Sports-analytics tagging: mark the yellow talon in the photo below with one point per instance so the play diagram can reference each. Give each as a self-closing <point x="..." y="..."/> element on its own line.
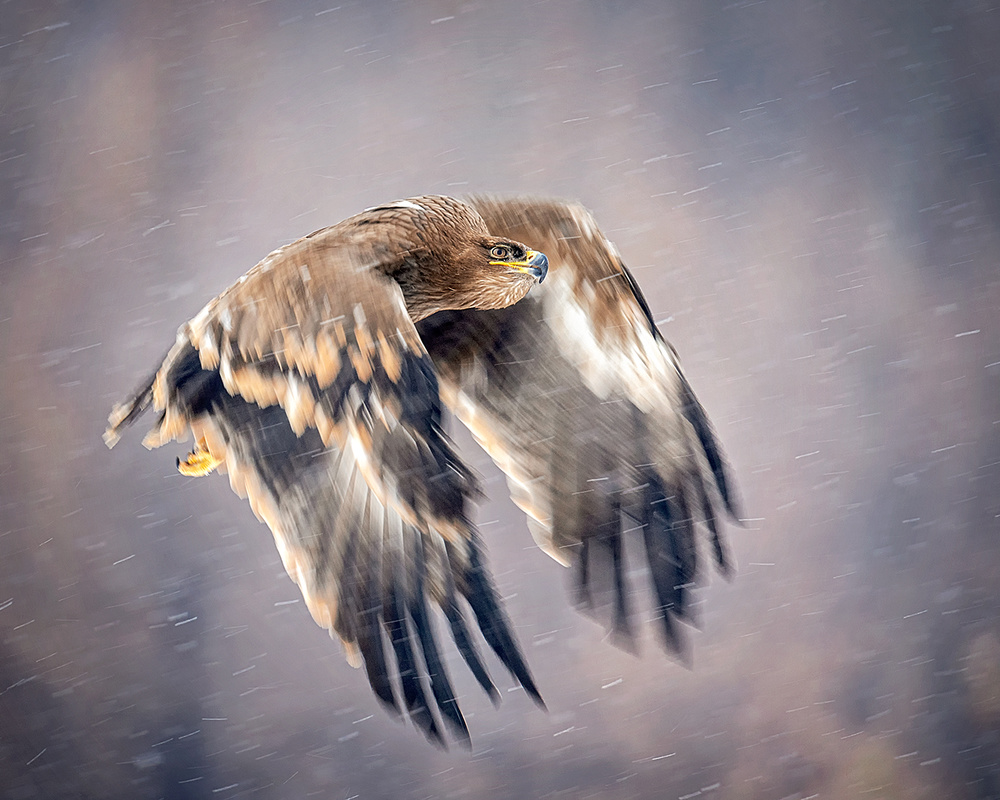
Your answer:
<point x="199" y="463"/>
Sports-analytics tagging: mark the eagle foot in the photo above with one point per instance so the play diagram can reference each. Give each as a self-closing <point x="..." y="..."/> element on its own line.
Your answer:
<point x="199" y="463"/>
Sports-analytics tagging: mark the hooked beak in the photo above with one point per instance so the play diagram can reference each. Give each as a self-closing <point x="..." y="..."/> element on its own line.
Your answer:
<point x="536" y="264"/>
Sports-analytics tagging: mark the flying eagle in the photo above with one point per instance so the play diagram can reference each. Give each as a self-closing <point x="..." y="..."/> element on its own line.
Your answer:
<point x="318" y="381"/>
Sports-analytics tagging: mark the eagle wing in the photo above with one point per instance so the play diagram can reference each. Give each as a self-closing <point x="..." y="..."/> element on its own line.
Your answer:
<point x="577" y="397"/>
<point x="308" y="383"/>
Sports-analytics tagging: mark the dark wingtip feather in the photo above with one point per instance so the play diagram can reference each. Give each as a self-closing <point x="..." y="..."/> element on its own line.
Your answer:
<point x="373" y="653"/>
<point x="666" y="535"/>
<point x="493" y="623"/>
<point x="695" y="414"/>
<point x="625" y="640"/>
<point x="441" y="688"/>
<point x="723" y="560"/>
<point x="467" y="648"/>
<point x="433" y="734"/>
<point x="582" y="598"/>
<point x="359" y="619"/>
<point x="672" y="640"/>
<point x="622" y="623"/>
<point x="601" y="560"/>
<point x="460" y="633"/>
<point x="413" y="692"/>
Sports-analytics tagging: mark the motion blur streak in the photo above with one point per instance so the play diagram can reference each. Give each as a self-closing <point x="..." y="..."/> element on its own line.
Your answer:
<point x="808" y="193"/>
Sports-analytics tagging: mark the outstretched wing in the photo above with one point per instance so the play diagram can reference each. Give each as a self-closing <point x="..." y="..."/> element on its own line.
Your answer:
<point x="308" y="383"/>
<point x="580" y="401"/>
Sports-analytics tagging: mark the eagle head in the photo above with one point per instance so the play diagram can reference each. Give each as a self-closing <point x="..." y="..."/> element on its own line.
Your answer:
<point x="497" y="272"/>
<point x="452" y="261"/>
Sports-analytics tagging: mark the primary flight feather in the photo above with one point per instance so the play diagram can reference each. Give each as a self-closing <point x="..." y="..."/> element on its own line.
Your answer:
<point x="317" y="381"/>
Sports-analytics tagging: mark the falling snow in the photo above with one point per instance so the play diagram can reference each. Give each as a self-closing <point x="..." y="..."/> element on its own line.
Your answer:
<point x="807" y="194"/>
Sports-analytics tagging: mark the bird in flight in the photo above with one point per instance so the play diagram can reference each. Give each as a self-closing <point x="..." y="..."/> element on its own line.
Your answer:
<point x="319" y="380"/>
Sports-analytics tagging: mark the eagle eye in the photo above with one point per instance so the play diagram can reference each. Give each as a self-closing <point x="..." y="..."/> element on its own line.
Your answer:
<point x="500" y="252"/>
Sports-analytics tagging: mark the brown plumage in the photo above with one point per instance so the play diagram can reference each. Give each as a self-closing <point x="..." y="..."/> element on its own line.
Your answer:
<point x="317" y="382"/>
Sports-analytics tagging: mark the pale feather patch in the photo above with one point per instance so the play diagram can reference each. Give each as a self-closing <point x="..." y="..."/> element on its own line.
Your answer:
<point x="352" y="653"/>
<point x="452" y="531"/>
<point x="410" y="339"/>
<point x="238" y="477"/>
<point x="325" y="425"/>
<point x="328" y="362"/>
<point x="295" y="351"/>
<point x="199" y="332"/>
<point x="359" y="443"/>
<point x="318" y="581"/>
<point x="528" y="492"/>
<point x="173" y="427"/>
<point x="299" y="404"/>
<point x="389" y="356"/>
<point x="257" y="388"/>
<point x="631" y="359"/>
<point x="339" y="333"/>
<point x="584" y="220"/>
<point x="631" y="362"/>
<point x="362" y="364"/>
<point x="399" y="204"/>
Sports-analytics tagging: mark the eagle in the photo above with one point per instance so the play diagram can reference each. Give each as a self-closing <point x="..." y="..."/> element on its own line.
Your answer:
<point x="319" y="381"/>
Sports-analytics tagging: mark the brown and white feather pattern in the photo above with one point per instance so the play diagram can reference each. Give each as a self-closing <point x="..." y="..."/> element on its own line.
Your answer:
<point x="307" y="382"/>
<point x="580" y="401"/>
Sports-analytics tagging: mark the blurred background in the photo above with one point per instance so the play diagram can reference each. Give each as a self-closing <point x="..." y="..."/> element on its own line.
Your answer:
<point x="808" y="194"/>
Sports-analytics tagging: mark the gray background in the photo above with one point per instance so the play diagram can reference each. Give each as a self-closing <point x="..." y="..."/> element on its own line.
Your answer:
<point x="808" y="193"/>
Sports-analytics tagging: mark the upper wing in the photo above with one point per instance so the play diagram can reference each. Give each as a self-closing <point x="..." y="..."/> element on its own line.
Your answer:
<point x="307" y="381"/>
<point x="580" y="401"/>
